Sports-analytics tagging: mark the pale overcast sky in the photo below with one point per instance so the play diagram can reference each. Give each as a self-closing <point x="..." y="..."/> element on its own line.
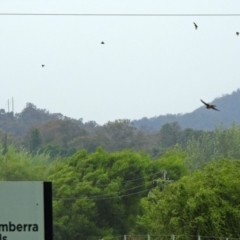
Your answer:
<point x="148" y="66"/>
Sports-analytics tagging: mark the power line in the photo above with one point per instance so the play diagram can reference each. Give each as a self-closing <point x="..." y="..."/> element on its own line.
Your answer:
<point x="126" y="14"/>
<point x="110" y="194"/>
<point x="95" y="198"/>
<point x="136" y="179"/>
<point x="123" y="190"/>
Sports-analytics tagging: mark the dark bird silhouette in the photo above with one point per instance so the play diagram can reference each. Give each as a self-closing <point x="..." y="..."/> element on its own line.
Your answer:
<point x="196" y="26"/>
<point x="237" y="33"/>
<point x="102" y="43"/>
<point x="43" y="65"/>
<point x="209" y="106"/>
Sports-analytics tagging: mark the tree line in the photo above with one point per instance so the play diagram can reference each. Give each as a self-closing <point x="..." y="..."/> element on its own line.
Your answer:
<point x="40" y="131"/>
<point x="191" y="188"/>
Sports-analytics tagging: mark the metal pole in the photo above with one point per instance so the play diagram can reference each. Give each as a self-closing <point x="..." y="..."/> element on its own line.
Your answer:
<point x="173" y="237"/>
<point x="164" y="174"/>
<point x="148" y="237"/>
<point x="199" y="237"/>
<point x="125" y="237"/>
<point x="12" y="106"/>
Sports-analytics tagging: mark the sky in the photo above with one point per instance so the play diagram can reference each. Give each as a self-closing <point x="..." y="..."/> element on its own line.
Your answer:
<point x="148" y="66"/>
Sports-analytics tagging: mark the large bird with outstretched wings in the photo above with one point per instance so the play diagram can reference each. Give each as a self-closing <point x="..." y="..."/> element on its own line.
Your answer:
<point x="209" y="105"/>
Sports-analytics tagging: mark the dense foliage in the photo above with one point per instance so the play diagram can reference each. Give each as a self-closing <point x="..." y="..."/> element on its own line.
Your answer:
<point x="115" y="179"/>
<point x="94" y="194"/>
<point x="205" y="203"/>
<point x="57" y="135"/>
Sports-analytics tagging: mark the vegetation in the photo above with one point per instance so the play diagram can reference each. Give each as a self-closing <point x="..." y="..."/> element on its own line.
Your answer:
<point x="205" y="203"/>
<point x="186" y="191"/>
<point x="39" y="131"/>
<point x="59" y="135"/>
<point x="118" y="179"/>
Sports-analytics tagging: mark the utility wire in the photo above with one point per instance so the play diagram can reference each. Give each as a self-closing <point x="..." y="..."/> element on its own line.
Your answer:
<point x="134" y="187"/>
<point x="97" y="196"/>
<point x="126" y="14"/>
<point x="110" y="194"/>
<point x="124" y="195"/>
<point x="131" y="180"/>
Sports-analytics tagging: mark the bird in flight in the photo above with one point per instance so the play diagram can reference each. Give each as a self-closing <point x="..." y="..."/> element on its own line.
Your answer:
<point x="237" y="33"/>
<point x="209" y="106"/>
<point x="102" y="43"/>
<point x="196" y="26"/>
<point x="43" y="65"/>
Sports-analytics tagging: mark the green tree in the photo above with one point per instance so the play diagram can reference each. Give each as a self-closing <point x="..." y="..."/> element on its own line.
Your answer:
<point x="98" y="194"/>
<point x="117" y="135"/>
<point x="205" y="203"/>
<point x="35" y="140"/>
<point x="221" y="143"/>
<point x="20" y="165"/>
<point x="4" y="144"/>
<point x="169" y="134"/>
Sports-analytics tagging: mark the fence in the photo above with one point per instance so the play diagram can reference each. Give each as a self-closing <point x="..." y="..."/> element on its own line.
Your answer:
<point x="168" y="237"/>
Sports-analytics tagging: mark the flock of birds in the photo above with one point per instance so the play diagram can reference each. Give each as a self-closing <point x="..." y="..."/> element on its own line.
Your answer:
<point x="196" y="27"/>
<point x="208" y="105"/>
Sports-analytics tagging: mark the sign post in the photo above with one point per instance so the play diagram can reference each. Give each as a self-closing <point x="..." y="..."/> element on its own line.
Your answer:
<point x="26" y="211"/>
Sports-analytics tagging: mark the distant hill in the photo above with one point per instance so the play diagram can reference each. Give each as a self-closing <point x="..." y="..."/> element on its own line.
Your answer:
<point x="19" y="123"/>
<point x="201" y="118"/>
<point x="40" y="131"/>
